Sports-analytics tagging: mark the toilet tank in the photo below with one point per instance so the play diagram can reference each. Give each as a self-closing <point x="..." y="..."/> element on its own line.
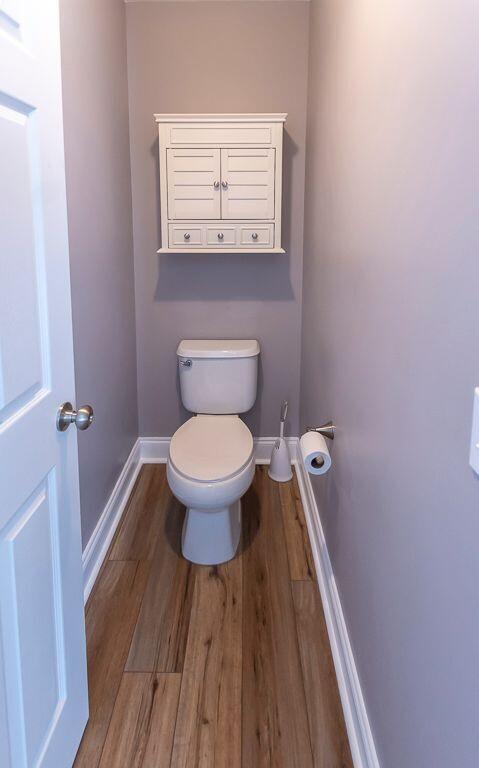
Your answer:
<point x="218" y="375"/>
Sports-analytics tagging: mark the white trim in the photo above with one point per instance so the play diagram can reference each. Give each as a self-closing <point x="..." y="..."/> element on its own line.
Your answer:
<point x="97" y="546"/>
<point x="264" y="445"/>
<point x="127" y="2"/>
<point x="154" y="450"/>
<point x="230" y="117"/>
<point x="357" y="723"/>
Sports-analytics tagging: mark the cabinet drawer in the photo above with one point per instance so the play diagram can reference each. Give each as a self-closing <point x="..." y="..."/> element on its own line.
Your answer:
<point x="195" y="134"/>
<point x="188" y="237"/>
<point x="261" y="235"/>
<point x="221" y="236"/>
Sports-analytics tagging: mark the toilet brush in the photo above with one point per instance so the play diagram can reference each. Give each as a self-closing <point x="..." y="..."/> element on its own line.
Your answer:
<point x="280" y="464"/>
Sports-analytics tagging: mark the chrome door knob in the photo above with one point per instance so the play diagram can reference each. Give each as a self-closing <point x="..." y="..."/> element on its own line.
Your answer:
<point x="187" y="235"/>
<point x="254" y="235"/>
<point x="224" y="184"/>
<point x="220" y="236"/>
<point x="82" y="418"/>
<point x="216" y="185"/>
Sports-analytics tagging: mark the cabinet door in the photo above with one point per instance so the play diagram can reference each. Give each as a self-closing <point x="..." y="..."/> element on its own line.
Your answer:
<point x="247" y="183"/>
<point x="192" y="174"/>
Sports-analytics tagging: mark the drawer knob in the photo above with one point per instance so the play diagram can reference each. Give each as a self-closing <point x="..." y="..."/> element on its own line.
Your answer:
<point x="224" y="184"/>
<point x="220" y="236"/>
<point x="187" y="235"/>
<point x="254" y="235"/>
<point x="216" y="184"/>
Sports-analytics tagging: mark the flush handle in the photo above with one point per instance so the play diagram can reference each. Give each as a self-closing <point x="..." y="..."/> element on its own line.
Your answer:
<point x="186" y="363"/>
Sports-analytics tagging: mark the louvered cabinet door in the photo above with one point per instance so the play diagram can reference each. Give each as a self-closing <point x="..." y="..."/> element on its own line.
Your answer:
<point x="247" y="183"/>
<point x="193" y="183"/>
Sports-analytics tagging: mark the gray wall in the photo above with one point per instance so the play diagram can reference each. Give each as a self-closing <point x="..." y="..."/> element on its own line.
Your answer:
<point x="391" y="352"/>
<point x="95" y="104"/>
<point x="216" y="57"/>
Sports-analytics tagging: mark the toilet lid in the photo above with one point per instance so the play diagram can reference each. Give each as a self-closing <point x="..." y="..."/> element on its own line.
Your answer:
<point x="209" y="448"/>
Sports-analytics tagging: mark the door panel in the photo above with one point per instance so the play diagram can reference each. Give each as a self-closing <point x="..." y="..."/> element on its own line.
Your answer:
<point x="21" y="340"/>
<point x="192" y="174"/>
<point x="34" y="625"/>
<point x="249" y="176"/>
<point x="43" y="689"/>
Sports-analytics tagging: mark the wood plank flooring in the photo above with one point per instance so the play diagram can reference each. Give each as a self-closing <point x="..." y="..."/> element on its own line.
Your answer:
<point x="211" y="667"/>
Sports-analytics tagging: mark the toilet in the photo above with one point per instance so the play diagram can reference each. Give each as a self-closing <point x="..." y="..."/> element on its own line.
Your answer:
<point x="211" y="463"/>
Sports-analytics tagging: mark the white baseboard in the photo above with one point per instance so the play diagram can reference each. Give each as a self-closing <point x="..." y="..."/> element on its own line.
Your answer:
<point x="357" y="723"/>
<point x="154" y="450"/>
<point x="97" y="547"/>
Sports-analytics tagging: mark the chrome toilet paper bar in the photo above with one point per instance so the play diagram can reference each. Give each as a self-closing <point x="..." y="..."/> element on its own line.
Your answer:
<point x="327" y="430"/>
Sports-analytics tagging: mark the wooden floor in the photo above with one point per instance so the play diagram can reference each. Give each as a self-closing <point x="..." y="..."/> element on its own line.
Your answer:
<point x="211" y="667"/>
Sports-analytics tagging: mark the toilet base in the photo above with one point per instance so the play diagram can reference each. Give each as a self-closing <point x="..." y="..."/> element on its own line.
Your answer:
<point x="211" y="536"/>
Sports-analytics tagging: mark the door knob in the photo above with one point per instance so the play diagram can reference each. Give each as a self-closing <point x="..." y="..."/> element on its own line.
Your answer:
<point x="82" y="418"/>
<point x="220" y="236"/>
<point x="216" y="184"/>
<point x="224" y="184"/>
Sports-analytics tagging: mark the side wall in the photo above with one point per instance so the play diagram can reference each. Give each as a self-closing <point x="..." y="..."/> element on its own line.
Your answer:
<point x="391" y="353"/>
<point x="216" y="57"/>
<point x="95" y="104"/>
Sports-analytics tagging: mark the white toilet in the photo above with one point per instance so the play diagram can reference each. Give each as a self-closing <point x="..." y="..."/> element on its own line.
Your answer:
<point x="211" y="463"/>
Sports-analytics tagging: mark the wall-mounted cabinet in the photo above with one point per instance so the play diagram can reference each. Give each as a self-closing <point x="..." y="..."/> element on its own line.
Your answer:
<point x="220" y="182"/>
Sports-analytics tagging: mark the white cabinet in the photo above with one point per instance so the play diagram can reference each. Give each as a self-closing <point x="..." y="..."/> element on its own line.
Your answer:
<point x="220" y="182"/>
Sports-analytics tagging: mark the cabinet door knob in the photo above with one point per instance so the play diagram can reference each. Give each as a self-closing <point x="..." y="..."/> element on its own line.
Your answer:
<point x="254" y="235"/>
<point x="216" y="184"/>
<point x="220" y="236"/>
<point x="187" y="235"/>
<point x="224" y="184"/>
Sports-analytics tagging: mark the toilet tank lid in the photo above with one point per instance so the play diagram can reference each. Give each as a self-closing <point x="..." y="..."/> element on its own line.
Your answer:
<point x="217" y="348"/>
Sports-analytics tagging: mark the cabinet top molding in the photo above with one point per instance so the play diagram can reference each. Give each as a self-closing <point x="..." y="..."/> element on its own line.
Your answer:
<point x="254" y="117"/>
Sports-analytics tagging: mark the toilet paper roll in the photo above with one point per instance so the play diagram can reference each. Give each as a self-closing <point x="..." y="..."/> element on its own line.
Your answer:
<point x="315" y="454"/>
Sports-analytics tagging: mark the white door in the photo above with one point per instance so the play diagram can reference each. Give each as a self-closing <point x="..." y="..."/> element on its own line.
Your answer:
<point x="193" y="183"/>
<point x="247" y="183"/>
<point x="43" y="690"/>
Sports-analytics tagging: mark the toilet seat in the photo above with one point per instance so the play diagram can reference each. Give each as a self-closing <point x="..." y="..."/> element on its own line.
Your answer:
<point x="208" y="449"/>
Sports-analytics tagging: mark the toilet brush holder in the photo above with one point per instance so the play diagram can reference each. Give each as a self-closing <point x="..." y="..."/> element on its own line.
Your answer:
<point x="280" y="464"/>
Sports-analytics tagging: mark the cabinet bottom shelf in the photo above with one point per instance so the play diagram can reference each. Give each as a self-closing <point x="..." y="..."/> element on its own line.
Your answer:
<point x="222" y="249"/>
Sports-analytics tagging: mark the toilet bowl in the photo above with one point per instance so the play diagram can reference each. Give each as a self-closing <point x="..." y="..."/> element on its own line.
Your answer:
<point x="210" y="467"/>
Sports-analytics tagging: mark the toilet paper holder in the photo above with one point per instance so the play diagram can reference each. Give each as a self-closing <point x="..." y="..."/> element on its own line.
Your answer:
<point x="327" y="430"/>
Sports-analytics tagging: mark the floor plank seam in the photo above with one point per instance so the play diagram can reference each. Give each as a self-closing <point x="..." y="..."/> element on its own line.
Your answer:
<point x="303" y="681"/>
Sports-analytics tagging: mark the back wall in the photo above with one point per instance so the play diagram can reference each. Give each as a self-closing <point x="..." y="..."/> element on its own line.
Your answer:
<point x="216" y="57"/>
